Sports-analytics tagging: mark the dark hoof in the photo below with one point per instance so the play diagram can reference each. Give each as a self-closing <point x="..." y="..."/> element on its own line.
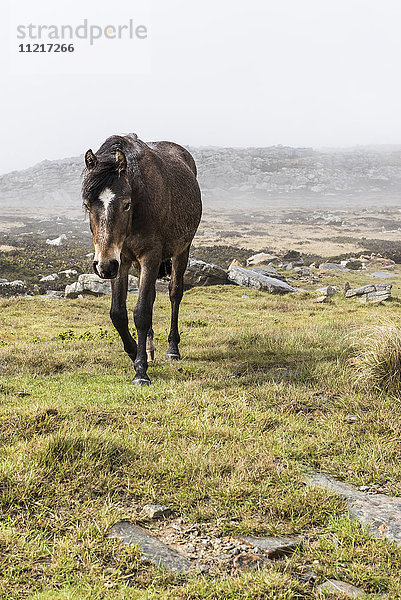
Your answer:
<point x="171" y="356"/>
<point x="140" y="381"/>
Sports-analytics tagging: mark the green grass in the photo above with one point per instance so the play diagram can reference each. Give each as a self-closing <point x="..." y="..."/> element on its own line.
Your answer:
<point x="223" y="437"/>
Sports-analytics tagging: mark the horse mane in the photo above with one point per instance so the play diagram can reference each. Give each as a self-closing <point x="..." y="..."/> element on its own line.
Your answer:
<point x="106" y="171"/>
<point x="102" y="176"/>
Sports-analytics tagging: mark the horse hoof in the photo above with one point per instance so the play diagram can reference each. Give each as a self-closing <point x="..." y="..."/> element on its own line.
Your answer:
<point x="170" y="356"/>
<point x="140" y="381"/>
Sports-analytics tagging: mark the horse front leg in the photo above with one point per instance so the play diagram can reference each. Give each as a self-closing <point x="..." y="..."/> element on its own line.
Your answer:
<point x="176" y="290"/>
<point x="143" y="320"/>
<point x="118" y="311"/>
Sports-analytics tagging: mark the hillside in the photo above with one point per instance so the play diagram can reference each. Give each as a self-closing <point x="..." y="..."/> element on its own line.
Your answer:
<point x="242" y="175"/>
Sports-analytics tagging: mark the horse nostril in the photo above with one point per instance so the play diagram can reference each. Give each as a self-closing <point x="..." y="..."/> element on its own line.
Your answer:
<point x="107" y="270"/>
<point x="113" y="267"/>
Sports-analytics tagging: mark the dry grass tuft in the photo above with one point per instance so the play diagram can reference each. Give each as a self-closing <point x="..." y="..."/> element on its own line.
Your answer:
<point x="377" y="364"/>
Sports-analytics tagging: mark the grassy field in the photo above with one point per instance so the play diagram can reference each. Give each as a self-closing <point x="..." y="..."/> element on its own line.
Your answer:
<point x="224" y="437"/>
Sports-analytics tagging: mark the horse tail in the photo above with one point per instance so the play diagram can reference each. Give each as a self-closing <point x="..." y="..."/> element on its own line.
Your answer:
<point x="165" y="269"/>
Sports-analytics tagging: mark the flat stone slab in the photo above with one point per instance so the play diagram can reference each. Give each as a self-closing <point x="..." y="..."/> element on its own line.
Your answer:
<point x="257" y="281"/>
<point x="383" y="275"/>
<point x="384" y="288"/>
<point x="332" y="267"/>
<point x="152" y="548"/>
<point x="340" y="588"/>
<point x="275" y="547"/>
<point x="381" y="514"/>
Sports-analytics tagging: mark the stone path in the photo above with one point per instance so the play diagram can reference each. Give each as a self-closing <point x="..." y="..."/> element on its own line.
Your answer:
<point x="381" y="514"/>
<point x="183" y="547"/>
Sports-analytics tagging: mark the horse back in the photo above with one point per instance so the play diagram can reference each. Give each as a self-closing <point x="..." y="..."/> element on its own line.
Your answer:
<point x="175" y="151"/>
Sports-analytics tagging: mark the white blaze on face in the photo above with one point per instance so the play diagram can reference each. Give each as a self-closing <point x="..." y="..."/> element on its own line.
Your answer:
<point x="107" y="196"/>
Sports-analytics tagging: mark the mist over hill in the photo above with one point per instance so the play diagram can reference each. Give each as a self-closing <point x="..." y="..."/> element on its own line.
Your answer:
<point x="237" y="176"/>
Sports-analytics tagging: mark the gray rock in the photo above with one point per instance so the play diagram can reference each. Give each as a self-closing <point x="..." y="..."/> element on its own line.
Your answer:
<point x="376" y="297"/>
<point x="260" y="259"/>
<point x="329" y="290"/>
<point x="275" y="547"/>
<point x="332" y="267"/>
<point x="60" y="241"/>
<point x="55" y="294"/>
<point x="269" y="271"/>
<point x="366" y="289"/>
<point x="157" y="511"/>
<point x="381" y="514"/>
<point x="2" y="280"/>
<point x="383" y="275"/>
<point x="303" y="271"/>
<point x="52" y="277"/>
<point x="68" y="272"/>
<point x="15" y="283"/>
<point x="340" y="588"/>
<point x="257" y="281"/>
<point x="152" y="548"/>
<point x="93" y="285"/>
<point x="375" y="292"/>
<point x="199" y="272"/>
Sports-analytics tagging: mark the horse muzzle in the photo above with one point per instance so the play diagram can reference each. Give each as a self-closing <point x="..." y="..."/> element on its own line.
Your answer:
<point x="106" y="269"/>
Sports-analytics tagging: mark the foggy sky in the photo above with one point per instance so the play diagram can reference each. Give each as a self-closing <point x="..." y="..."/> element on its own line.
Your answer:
<point x="228" y="73"/>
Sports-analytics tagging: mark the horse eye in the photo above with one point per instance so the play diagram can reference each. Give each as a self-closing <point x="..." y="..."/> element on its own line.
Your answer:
<point x="127" y="206"/>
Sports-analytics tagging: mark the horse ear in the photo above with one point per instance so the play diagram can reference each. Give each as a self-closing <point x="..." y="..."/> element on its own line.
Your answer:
<point x="90" y="160"/>
<point x="121" y="161"/>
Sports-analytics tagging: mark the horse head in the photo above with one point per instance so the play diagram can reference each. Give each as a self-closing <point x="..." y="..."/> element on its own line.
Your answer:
<point x="107" y="196"/>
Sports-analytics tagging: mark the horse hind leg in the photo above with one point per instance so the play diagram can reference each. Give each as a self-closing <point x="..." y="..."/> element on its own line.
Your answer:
<point x="176" y="290"/>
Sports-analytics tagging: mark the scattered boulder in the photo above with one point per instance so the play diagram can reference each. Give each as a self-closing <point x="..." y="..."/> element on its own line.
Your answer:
<point x="16" y="283"/>
<point x="51" y="277"/>
<point x="257" y="281"/>
<point x="260" y="259"/>
<point x="59" y="294"/>
<point x="375" y="292"/>
<point x="2" y="280"/>
<point x="302" y="271"/>
<point x="199" y="272"/>
<point x="68" y="272"/>
<point x="93" y="285"/>
<point x="383" y="275"/>
<point x="60" y="241"/>
<point x="329" y="290"/>
<point x="332" y="267"/>
<point x="269" y="271"/>
<point x="340" y="588"/>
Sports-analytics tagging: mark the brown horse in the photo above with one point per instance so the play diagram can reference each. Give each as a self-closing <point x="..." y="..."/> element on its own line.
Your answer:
<point x="144" y="208"/>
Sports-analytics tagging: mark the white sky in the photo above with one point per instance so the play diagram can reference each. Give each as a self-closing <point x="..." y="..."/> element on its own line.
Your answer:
<point x="223" y="72"/>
